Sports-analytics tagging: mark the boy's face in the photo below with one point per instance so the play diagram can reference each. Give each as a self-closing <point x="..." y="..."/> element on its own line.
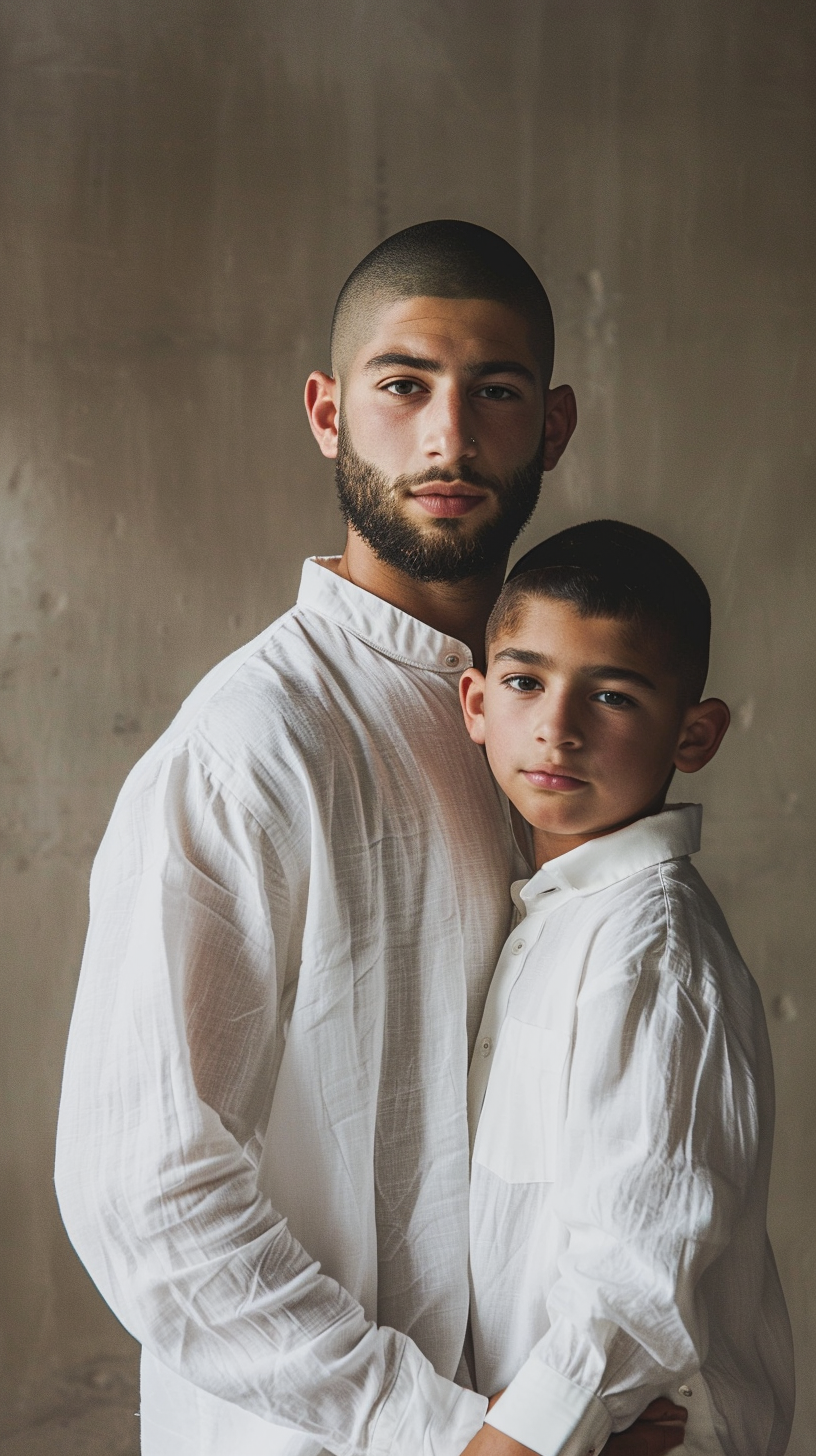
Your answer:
<point x="583" y="723"/>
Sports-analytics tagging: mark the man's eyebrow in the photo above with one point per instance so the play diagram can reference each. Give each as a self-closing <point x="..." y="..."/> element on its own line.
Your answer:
<point x="500" y="366"/>
<point x="481" y="370"/>
<point x="405" y="361"/>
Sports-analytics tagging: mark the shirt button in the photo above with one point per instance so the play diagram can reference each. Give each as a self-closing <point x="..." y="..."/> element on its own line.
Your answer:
<point x="486" y="1046"/>
<point x="685" y="1390"/>
<point x="518" y="946"/>
<point x="453" y="659"/>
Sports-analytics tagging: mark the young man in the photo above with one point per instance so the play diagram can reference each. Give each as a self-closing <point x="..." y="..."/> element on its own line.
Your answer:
<point x="621" y="1090"/>
<point x="263" y="1150"/>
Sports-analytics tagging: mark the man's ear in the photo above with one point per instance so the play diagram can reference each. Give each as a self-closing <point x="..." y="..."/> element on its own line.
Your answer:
<point x="322" y="400"/>
<point x="471" y="696"/>
<point x="560" y="419"/>
<point x="704" y="727"/>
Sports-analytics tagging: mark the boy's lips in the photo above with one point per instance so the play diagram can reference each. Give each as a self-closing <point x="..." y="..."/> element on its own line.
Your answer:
<point x="444" y="498"/>
<point x="542" y="778"/>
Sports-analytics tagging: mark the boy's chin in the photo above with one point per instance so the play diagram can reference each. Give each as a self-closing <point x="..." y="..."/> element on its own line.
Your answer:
<point x="585" y="827"/>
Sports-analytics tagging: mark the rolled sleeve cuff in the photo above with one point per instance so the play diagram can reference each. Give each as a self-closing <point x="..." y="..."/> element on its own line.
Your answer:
<point x="425" y="1414"/>
<point x="550" y="1414"/>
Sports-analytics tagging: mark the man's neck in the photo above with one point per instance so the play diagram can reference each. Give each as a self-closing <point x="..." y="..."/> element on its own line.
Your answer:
<point x="459" y="609"/>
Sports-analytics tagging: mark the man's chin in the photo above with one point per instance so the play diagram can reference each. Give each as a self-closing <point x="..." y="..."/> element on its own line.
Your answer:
<point x="464" y="527"/>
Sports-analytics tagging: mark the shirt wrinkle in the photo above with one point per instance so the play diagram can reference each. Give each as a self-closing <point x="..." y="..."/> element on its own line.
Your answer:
<point x="621" y="1105"/>
<point x="233" y="1167"/>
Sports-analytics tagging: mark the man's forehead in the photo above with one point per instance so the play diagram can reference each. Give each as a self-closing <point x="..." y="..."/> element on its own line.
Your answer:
<point x="452" y="329"/>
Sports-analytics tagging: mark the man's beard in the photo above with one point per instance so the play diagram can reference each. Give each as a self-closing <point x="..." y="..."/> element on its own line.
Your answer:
<point x="372" y="505"/>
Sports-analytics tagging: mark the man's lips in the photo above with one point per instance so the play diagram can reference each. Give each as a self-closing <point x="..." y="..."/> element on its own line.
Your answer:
<point x="541" y="778"/>
<point x="443" y="498"/>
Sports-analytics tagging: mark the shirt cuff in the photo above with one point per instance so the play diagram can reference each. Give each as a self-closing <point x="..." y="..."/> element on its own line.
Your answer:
<point x="550" y="1414"/>
<point x="425" y="1414"/>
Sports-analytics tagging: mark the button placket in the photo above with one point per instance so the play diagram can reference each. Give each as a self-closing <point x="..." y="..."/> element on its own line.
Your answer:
<point x="507" y="973"/>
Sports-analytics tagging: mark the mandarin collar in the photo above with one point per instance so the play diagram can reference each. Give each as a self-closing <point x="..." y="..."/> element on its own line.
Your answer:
<point x="383" y="626"/>
<point x="672" y="834"/>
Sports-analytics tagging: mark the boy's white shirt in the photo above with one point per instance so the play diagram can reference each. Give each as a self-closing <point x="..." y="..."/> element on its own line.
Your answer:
<point x="621" y="1109"/>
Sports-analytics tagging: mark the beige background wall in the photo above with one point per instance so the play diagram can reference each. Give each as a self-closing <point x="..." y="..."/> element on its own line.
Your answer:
<point x="184" y="185"/>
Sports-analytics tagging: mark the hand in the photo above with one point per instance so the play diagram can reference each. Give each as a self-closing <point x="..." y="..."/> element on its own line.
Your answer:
<point x="660" y="1428"/>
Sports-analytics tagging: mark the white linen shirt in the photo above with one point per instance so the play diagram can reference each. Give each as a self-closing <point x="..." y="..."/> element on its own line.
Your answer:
<point x="295" y="913"/>
<point x="621" y="1093"/>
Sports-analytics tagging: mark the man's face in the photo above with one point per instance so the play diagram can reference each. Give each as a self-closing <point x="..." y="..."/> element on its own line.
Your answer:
<point x="440" y="445"/>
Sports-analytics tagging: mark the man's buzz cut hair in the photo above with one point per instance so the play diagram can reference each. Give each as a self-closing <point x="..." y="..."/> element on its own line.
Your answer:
<point x="441" y="259"/>
<point x="614" y="570"/>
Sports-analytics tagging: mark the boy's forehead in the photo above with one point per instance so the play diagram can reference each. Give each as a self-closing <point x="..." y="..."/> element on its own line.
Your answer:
<point x="558" y="634"/>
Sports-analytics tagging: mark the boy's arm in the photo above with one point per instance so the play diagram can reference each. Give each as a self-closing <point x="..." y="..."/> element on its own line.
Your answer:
<point x="658" y="1145"/>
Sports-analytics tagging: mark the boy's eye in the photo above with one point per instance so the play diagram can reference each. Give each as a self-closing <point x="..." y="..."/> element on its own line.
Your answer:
<point x="611" y="699"/>
<point x="403" y="387"/>
<point x="520" y="683"/>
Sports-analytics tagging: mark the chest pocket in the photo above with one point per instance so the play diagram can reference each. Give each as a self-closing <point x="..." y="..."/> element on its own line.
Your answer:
<point x="517" y="1136"/>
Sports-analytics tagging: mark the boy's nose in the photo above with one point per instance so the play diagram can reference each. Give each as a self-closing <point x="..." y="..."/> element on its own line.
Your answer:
<point x="558" y="725"/>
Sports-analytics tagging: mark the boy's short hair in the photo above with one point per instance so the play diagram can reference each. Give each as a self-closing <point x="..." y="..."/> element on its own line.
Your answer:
<point x="611" y="569"/>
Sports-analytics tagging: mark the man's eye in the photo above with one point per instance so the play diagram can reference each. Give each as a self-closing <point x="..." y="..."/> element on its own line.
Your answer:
<point x="496" y="391"/>
<point x="520" y="683"/>
<point x="403" y="387"/>
<point x="614" y="700"/>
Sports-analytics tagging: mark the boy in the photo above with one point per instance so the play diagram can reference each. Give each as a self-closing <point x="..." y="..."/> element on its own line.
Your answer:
<point x="622" y="1081"/>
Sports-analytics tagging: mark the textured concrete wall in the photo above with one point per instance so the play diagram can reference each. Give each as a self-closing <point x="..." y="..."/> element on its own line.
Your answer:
<point x="184" y="185"/>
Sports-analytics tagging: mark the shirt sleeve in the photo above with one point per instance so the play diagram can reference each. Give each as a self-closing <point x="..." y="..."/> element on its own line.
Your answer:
<point x="167" y="1089"/>
<point x="658" y="1144"/>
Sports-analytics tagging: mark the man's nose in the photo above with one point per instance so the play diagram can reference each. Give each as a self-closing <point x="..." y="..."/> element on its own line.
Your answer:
<point x="450" y="430"/>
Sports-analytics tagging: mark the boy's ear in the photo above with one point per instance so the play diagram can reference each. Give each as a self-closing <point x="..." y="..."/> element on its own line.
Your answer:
<point x="704" y="727"/>
<point x="471" y="696"/>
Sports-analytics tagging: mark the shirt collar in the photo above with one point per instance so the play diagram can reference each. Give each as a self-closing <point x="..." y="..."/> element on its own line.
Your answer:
<point x="672" y="834"/>
<point x="383" y="626"/>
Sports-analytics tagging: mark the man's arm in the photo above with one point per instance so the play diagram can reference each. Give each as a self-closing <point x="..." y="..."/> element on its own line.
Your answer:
<point x="166" y="1096"/>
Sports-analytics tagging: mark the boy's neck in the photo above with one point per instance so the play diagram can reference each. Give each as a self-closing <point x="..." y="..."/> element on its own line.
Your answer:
<point x="459" y="609"/>
<point x="547" y="845"/>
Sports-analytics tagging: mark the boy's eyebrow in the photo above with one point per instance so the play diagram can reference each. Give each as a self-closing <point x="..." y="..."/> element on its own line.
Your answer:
<point x="521" y="654"/>
<point x="621" y="674"/>
<point x="602" y="671"/>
